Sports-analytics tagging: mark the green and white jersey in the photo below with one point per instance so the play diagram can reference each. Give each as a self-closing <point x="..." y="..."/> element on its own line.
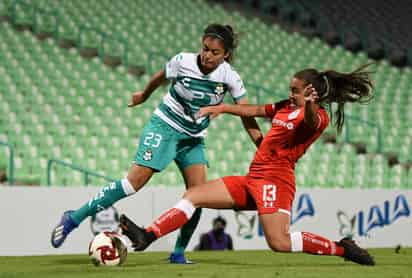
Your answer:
<point x="191" y="90"/>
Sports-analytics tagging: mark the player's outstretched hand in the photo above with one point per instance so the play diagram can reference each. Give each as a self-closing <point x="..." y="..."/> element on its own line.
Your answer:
<point x="137" y="98"/>
<point x="310" y="93"/>
<point x="212" y="111"/>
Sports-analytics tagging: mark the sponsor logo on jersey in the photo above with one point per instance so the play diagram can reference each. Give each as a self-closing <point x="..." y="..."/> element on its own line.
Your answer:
<point x="282" y="123"/>
<point x="294" y="114"/>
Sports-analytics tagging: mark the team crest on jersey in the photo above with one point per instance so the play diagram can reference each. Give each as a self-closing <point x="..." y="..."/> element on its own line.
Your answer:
<point x="294" y="114"/>
<point x="219" y="89"/>
<point x="148" y="155"/>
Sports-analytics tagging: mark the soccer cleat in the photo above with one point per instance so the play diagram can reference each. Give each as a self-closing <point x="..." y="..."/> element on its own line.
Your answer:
<point x="63" y="229"/>
<point x="178" y="258"/>
<point x="138" y="236"/>
<point x="354" y="253"/>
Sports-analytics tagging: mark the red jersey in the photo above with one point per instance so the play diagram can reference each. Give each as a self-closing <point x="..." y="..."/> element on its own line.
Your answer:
<point x="286" y="142"/>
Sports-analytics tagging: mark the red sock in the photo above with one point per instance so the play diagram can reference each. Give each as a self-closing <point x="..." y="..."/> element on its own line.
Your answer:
<point x="168" y="222"/>
<point x="314" y="244"/>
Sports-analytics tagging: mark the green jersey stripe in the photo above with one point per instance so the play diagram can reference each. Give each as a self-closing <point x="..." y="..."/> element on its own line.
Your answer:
<point x="186" y="125"/>
<point x="191" y="108"/>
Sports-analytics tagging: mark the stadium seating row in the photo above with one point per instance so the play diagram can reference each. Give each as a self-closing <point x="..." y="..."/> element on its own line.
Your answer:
<point x="63" y="106"/>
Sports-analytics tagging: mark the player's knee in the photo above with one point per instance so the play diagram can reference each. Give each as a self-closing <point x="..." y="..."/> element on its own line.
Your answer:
<point x="138" y="178"/>
<point x="280" y="243"/>
<point x="190" y="195"/>
<point x="134" y="182"/>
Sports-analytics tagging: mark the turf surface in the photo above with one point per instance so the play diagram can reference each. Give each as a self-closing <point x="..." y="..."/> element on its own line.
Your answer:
<point x="248" y="264"/>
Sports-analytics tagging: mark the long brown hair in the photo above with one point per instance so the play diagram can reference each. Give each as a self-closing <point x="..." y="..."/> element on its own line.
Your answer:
<point x="337" y="87"/>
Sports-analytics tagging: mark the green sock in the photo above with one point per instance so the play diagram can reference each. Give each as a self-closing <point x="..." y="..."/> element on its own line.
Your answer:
<point x="186" y="232"/>
<point x="104" y="198"/>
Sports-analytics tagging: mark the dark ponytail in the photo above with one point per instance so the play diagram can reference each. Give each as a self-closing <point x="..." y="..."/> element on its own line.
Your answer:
<point x="224" y="33"/>
<point x="339" y="88"/>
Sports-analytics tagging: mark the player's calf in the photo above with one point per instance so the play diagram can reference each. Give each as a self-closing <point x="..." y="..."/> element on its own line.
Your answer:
<point x="280" y="243"/>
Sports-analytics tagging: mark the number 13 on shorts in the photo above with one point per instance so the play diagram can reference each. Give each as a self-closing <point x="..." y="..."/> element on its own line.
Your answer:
<point x="269" y="195"/>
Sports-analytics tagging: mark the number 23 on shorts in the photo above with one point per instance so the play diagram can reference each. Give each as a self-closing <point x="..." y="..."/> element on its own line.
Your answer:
<point x="152" y="139"/>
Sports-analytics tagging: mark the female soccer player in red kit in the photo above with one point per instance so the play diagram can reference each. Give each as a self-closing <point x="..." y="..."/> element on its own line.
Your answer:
<point x="269" y="186"/>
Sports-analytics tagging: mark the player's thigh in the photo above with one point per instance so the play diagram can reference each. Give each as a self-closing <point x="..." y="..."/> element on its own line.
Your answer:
<point x="212" y="194"/>
<point x="276" y="229"/>
<point x="194" y="175"/>
<point x="274" y="201"/>
<point x="237" y="188"/>
<point x="191" y="160"/>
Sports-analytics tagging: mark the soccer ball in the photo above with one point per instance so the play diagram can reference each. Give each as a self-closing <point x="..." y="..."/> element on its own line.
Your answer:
<point x="107" y="248"/>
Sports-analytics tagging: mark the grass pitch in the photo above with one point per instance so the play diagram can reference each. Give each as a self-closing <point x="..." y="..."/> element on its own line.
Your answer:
<point x="237" y="264"/>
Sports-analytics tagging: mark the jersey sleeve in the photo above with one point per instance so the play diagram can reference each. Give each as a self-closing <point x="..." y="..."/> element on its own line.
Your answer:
<point x="172" y="67"/>
<point x="236" y="87"/>
<point x="272" y="109"/>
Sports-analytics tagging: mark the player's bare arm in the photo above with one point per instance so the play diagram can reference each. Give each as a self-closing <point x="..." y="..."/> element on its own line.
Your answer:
<point x="242" y="110"/>
<point x="251" y="126"/>
<point x="141" y="96"/>
<point x="311" y="106"/>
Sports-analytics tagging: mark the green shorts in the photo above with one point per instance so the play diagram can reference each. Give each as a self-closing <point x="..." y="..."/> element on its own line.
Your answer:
<point x="160" y="144"/>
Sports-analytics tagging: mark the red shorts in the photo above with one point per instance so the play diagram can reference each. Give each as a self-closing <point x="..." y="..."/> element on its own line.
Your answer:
<point x="265" y="196"/>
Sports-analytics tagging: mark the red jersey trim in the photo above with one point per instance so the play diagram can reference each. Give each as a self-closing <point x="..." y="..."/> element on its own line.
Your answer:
<point x="323" y="119"/>
<point x="273" y="108"/>
<point x="319" y="121"/>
